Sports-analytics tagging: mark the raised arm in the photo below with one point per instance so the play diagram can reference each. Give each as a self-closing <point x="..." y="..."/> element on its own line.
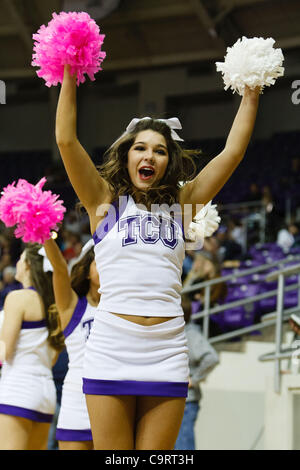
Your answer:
<point x="214" y="175"/>
<point x="65" y="297"/>
<point x="89" y="186"/>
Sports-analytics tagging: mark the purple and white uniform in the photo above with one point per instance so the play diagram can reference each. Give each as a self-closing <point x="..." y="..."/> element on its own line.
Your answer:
<point x="139" y="256"/>
<point x="73" y="420"/>
<point x="27" y="388"/>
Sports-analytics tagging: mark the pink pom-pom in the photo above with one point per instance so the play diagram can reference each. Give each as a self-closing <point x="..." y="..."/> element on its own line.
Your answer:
<point x="69" y="39"/>
<point x="33" y="211"/>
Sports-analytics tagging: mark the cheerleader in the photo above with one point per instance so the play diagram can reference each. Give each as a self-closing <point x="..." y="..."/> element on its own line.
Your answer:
<point x="31" y="340"/>
<point x="136" y="359"/>
<point x="76" y="298"/>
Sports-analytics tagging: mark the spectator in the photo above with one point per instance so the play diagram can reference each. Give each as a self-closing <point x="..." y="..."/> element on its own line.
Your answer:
<point x="5" y="261"/>
<point x="288" y="236"/>
<point x="9" y="283"/>
<point x="254" y="193"/>
<point x="187" y="263"/>
<point x="85" y="228"/>
<point x="236" y="231"/>
<point x="296" y="233"/>
<point x="202" y="359"/>
<point x="72" y="244"/>
<point x="229" y="248"/>
<point x="205" y="269"/>
<point x="5" y="252"/>
<point x="273" y="216"/>
<point x="294" y="322"/>
<point x="71" y="222"/>
<point x="294" y="174"/>
<point x="211" y="249"/>
<point x="267" y="198"/>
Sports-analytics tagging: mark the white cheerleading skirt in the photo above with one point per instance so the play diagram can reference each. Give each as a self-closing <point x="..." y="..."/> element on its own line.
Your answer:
<point x="125" y="358"/>
<point x="73" y="420"/>
<point x="27" y="395"/>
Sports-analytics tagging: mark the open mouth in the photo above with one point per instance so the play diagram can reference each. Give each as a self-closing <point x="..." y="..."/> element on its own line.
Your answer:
<point x="146" y="173"/>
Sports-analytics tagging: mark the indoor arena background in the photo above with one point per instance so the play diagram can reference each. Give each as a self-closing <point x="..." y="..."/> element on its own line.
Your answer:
<point x="160" y="62"/>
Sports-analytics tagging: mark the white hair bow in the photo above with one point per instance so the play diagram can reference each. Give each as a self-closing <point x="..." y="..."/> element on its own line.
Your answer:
<point x="47" y="266"/>
<point x="173" y="123"/>
<point x="89" y="244"/>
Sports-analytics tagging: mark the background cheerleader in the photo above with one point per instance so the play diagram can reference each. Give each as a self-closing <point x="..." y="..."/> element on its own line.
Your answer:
<point x="32" y="338"/>
<point x="76" y="298"/>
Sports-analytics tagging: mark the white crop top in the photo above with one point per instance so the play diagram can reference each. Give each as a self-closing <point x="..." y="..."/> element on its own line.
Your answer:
<point x="139" y="256"/>
<point x="76" y="334"/>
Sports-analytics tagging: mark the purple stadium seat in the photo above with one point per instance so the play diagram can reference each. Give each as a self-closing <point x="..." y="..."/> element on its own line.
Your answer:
<point x="258" y="277"/>
<point x="291" y="280"/>
<point x="244" y="315"/>
<point x="291" y="299"/>
<point x="227" y="271"/>
<point x="266" y="247"/>
<point x="196" y="306"/>
<point x="218" y="319"/>
<point x="269" y="304"/>
<point x="272" y="257"/>
<point x="250" y="263"/>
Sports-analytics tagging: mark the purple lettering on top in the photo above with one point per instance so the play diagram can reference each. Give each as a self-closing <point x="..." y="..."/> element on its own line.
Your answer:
<point x="149" y="229"/>
<point x="129" y="224"/>
<point x="169" y="233"/>
<point x="87" y="325"/>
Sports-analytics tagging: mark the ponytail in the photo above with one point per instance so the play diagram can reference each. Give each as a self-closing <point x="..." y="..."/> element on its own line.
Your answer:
<point x="42" y="282"/>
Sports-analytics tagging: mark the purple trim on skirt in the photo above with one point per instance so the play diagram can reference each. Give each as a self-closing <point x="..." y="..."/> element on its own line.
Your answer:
<point x="27" y="325"/>
<point x="113" y="214"/>
<point x="73" y="435"/>
<point x="76" y="317"/>
<point x="26" y="413"/>
<point x="132" y="387"/>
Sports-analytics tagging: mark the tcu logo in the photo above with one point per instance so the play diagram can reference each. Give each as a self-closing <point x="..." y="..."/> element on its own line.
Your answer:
<point x="150" y="229"/>
<point x="87" y="325"/>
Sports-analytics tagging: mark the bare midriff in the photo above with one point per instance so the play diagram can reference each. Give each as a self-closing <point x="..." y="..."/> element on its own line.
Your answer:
<point x="145" y="321"/>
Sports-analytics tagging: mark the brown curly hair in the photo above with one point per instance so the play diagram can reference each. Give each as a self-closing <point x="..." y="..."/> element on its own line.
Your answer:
<point x="42" y="282"/>
<point x="180" y="168"/>
<point x="80" y="282"/>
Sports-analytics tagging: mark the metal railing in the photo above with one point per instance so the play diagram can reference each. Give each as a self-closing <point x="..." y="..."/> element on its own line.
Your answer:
<point x="281" y="354"/>
<point x="276" y="318"/>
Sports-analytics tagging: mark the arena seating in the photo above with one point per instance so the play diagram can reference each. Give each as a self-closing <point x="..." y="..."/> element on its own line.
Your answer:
<point x="239" y="288"/>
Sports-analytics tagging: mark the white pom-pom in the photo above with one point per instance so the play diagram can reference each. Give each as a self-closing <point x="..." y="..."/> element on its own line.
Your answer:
<point x="252" y="62"/>
<point x="205" y="223"/>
